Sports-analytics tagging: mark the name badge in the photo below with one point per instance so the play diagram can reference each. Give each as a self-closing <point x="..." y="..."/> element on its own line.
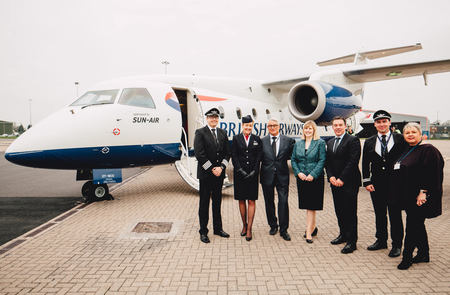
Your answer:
<point x="397" y="166"/>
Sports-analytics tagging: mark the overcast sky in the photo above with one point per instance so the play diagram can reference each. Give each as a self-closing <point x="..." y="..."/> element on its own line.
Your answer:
<point x="47" y="45"/>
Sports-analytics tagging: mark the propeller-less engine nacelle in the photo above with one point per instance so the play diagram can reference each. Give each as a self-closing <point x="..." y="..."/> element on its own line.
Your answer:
<point x="321" y="101"/>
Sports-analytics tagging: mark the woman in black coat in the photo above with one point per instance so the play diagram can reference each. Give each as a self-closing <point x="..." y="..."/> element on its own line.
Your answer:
<point x="419" y="175"/>
<point x="246" y="152"/>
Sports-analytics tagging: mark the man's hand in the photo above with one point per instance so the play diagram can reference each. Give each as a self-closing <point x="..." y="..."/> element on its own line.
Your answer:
<point x="370" y="188"/>
<point x="217" y="171"/>
<point x="339" y="183"/>
<point x="333" y="180"/>
<point x="309" y="178"/>
<point x="421" y="199"/>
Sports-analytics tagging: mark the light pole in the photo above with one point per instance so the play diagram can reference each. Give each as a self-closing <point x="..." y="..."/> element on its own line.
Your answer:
<point x="76" y="88"/>
<point x="165" y="63"/>
<point x="30" y="100"/>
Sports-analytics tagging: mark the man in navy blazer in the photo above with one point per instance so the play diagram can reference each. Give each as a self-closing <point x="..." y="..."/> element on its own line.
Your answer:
<point x="277" y="149"/>
<point x="343" y="153"/>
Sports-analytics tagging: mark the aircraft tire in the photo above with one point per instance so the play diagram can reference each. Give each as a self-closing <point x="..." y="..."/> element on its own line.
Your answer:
<point x="99" y="192"/>
<point x="86" y="188"/>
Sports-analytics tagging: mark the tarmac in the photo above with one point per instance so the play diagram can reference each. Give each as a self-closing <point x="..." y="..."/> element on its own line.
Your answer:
<point x="92" y="249"/>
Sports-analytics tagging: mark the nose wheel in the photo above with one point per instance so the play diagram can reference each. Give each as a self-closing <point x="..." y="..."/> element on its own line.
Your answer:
<point x="95" y="192"/>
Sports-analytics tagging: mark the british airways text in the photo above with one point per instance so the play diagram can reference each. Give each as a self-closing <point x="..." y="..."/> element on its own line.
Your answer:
<point x="260" y="129"/>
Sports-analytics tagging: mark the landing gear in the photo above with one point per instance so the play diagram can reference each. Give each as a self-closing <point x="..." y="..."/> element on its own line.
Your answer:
<point x="95" y="192"/>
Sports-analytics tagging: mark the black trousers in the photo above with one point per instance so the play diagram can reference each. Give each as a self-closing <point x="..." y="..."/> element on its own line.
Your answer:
<point x="416" y="233"/>
<point x="210" y="188"/>
<point x="345" y="200"/>
<point x="283" y="205"/>
<point x="382" y="207"/>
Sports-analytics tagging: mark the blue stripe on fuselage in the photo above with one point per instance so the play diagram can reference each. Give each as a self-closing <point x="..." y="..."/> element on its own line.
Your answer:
<point x="93" y="157"/>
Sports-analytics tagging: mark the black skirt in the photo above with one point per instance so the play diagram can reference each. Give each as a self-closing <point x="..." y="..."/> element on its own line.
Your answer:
<point x="310" y="193"/>
<point x="246" y="189"/>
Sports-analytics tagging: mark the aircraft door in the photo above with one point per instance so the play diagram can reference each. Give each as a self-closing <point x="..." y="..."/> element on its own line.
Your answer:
<point x="191" y="113"/>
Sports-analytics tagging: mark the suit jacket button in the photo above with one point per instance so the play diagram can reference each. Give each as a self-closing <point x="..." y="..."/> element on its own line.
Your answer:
<point x="248" y="163"/>
<point x="383" y="168"/>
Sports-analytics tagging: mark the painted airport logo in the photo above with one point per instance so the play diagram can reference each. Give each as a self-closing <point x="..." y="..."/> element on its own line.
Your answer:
<point x="105" y="150"/>
<point x="116" y="131"/>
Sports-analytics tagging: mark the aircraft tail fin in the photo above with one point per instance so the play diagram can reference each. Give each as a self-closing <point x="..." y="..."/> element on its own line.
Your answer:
<point x="362" y="57"/>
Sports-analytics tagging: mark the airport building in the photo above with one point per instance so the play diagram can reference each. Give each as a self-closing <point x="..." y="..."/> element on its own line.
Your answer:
<point x="398" y="121"/>
<point x="440" y="131"/>
<point x="6" y="127"/>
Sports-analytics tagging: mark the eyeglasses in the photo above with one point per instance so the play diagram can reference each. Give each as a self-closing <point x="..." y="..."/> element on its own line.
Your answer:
<point x="272" y="126"/>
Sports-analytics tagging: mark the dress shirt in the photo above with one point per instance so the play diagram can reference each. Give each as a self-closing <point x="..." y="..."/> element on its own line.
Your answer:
<point x="389" y="141"/>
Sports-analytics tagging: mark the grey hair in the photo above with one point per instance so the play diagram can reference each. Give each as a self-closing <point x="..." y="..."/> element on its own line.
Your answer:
<point x="413" y="125"/>
<point x="273" y="119"/>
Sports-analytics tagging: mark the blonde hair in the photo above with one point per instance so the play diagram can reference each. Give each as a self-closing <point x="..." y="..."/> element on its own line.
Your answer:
<point x="412" y="125"/>
<point x="314" y="127"/>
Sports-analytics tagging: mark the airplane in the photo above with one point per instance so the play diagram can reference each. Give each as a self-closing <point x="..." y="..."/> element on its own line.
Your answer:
<point x="151" y="120"/>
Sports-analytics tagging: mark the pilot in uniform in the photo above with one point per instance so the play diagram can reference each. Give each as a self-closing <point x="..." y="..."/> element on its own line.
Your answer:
<point x="212" y="152"/>
<point x="379" y="155"/>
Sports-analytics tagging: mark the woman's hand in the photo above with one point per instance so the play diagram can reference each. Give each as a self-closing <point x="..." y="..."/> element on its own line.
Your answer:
<point x="421" y="199"/>
<point x="309" y="178"/>
<point x="302" y="176"/>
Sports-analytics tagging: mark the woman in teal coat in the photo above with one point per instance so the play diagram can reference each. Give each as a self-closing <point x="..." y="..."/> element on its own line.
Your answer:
<point x="308" y="160"/>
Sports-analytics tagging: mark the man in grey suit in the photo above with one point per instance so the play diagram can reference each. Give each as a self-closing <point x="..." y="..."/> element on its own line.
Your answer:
<point x="277" y="149"/>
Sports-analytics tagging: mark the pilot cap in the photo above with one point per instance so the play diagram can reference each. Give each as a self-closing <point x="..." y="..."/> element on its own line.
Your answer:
<point x="381" y="114"/>
<point x="247" y="119"/>
<point x="213" y="112"/>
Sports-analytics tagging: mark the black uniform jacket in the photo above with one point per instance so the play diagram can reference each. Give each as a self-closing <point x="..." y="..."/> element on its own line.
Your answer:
<point x="343" y="164"/>
<point x="246" y="157"/>
<point x="208" y="153"/>
<point x="375" y="169"/>
<point x="276" y="165"/>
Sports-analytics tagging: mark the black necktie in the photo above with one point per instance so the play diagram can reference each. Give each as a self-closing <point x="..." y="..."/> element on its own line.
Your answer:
<point x="383" y="145"/>
<point x="215" y="136"/>
<point x="336" y="143"/>
<point x="274" y="145"/>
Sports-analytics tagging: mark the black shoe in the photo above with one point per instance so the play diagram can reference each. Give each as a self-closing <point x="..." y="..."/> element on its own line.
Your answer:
<point x="273" y="230"/>
<point x="339" y="240"/>
<point x="421" y="258"/>
<point x="309" y="241"/>
<point x="313" y="234"/>
<point x="377" y="246"/>
<point x="395" y="252"/>
<point x="244" y="233"/>
<point x="348" y="248"/>
<point x="248" y="239"/>
<point x="285" y="236"/>
<point x="405" y="264"/>
<point x="204" y="238"/>
<point x="222" y="234"/>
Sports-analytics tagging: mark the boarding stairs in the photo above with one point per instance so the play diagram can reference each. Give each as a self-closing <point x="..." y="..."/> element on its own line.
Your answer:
<point x="187" y="166"/>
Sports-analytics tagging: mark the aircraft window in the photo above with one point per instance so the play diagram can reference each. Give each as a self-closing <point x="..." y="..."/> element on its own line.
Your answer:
<point x="268" y="113"/>
<point x="138" y="97"/>
<point x="96" y="97"/>
<point x="255" y="114"/>
<point x="222" y="112"/>
<point x="238" y="113"/>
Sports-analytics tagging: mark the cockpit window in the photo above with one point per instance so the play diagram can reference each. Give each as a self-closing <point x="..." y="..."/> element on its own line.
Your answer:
<point x="97" y="97"/>
<point x="138" y="97"/>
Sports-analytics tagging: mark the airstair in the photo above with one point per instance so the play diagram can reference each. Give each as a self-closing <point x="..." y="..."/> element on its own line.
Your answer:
<point x="187" y="165"/>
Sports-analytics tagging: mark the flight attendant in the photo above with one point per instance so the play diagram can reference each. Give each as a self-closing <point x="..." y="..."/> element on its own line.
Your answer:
<point x="212" y="152"/>
<point x="246" y="152"/>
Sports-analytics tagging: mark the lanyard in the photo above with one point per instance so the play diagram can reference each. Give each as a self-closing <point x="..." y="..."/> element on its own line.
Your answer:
<point x="384" y="147"/>
<point x="405" y="155"/>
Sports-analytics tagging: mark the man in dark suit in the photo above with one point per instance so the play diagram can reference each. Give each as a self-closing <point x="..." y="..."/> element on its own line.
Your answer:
<point x="212" y="151"/>
<point x="379" y="155"/>
<point x="343" y="153"/>
<point x="277" y="149"/>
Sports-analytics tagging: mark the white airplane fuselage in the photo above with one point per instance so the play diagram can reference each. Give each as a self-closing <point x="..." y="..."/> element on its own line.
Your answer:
<point x="128" y="132"/>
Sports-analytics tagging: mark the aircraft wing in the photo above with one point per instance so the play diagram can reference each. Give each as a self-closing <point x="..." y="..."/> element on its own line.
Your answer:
<point x="398" y="71"/>
<point x="285" y="85"/>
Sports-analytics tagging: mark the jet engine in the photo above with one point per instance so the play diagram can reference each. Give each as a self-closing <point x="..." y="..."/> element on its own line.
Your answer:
<point x="320" y="101"/>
